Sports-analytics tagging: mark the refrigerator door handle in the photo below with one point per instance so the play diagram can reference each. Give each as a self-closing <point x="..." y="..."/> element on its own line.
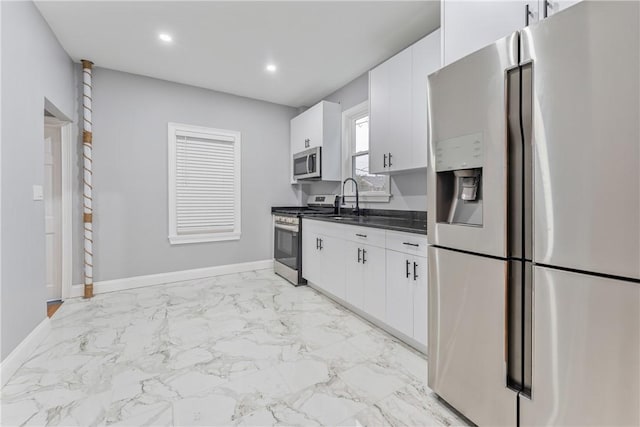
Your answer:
<point x="519" y="326"/>
<point x="519" y="95"/>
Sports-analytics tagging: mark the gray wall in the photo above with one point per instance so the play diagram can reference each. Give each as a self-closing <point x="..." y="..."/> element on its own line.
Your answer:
<point x="34" y="67"/>
<point x="409" y="190"/>
<point x="130" y="116"/>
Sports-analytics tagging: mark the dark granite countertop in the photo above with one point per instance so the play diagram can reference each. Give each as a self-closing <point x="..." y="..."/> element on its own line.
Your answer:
<point x="406" y="221"/>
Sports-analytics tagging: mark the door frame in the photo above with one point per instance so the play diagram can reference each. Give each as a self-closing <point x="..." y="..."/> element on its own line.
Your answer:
<point x="66" y="208"/>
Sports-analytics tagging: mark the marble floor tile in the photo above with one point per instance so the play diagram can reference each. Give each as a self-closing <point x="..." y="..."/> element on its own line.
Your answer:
<point x="242" y="349"/>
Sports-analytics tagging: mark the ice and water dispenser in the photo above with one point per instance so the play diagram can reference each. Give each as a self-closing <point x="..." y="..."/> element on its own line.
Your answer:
<point x="458" y="167"/>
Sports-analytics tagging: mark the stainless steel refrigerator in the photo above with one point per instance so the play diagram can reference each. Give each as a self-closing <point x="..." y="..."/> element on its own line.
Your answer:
<point x="534" y="224"/>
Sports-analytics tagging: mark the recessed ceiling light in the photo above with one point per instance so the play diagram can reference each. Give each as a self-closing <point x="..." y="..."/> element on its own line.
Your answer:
<point x="271" y="68"/>
<point x="165" y="37"/>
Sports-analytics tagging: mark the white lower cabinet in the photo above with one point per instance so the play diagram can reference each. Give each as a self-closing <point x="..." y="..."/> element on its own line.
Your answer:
<point x="399" y="292"/>
<point x="311" y="256"/>
<point x="407" y="294"/>
<point x="332" y="265"/>
<point x="323" y="258"/>
<point x="365" y="281"/>
<point x="420" y="301"/>
<point x="388" y="285"/>
<point x="354" y="275"/>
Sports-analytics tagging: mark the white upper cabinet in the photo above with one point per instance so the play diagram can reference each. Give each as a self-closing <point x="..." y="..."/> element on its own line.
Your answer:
<point x="555" y="6"/>
<point x="319" y="126"/>
<point x="425" y="56"/>
<point x="397" y="107"/>
<point x="306" y="129"/>
<point x="473" y="24"/>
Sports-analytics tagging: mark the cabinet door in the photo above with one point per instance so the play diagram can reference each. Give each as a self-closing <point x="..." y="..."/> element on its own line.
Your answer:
<point x="399" y="292"/>
<point x="471" y="25"/>
<point x="307" y="126"/>
<point x="378" y="118"/>
<point x="333" y="265"/>
<point x="297" y="134"/>
<point x="426" y="59"/>
<point x="555" y="6"/>
<point x="374" y="292"/>
<point x="313" y="125"/>
<point x="399" y="111"/>
<point x="354" y="275"/>
<point x="390" y="114"/>
<point x="311" y="257"/>
<point x="419" y="276"/>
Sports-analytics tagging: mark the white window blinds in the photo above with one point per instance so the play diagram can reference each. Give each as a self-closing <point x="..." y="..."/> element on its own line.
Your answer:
<point x="205" y="184"/>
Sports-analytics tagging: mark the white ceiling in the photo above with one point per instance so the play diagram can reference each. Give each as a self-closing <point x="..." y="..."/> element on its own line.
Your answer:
<point x="318" y="46"/>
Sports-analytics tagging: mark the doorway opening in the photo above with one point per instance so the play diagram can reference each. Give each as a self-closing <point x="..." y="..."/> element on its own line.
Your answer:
<point x="56" y="196"/>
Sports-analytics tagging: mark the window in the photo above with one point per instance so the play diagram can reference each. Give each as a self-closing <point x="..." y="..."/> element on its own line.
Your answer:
<point x="372" y="188"/>
<point x="204" y="184"/>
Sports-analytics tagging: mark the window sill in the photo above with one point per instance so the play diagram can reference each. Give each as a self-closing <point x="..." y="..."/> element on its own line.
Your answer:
<point x="202" y="238"/>
<point x="369" y="198"/>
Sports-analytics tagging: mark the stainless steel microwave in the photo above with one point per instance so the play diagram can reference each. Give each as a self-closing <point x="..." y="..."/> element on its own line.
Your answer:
<point x="307" y="164"/>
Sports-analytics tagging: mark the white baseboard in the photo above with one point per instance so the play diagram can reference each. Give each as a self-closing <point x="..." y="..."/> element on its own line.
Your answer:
<point x="174" y="276"/>
<point x="21" y="353"/>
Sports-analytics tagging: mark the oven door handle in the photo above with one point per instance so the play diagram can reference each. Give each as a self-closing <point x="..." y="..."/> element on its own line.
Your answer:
<point x="287" y="227"/>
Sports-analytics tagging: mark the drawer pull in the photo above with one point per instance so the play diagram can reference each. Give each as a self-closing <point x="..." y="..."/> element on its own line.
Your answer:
<point x="411" y="244"/>
<point x="361" y="235"/>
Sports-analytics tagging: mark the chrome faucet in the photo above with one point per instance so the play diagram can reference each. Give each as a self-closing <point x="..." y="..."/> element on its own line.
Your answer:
<point x="357" y="209"/>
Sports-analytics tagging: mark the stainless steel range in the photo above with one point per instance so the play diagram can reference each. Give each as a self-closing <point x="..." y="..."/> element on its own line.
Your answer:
<point x="287" y="237"/>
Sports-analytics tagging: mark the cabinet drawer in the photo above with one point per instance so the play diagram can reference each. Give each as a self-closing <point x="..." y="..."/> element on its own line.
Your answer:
<point x="324" y="228"/>
<point x="407" y="243"/>
<point x="365" y="235"/>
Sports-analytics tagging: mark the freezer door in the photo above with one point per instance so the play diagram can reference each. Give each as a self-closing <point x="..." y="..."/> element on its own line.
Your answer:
<point x="467" y="117"/>
<point x="586" y="135"/>
<point x="586" y="351"/>
<point x="467" y="336"/>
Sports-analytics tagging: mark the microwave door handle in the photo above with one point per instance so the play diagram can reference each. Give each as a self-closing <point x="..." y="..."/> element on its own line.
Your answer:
<point x="308" y="168"/>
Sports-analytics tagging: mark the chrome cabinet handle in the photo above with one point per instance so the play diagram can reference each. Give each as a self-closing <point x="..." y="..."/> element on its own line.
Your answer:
<point x="359" y="259"/>
<point x="408" y="263"/>
<point x="364" y="254"/>
<point x="415" y="273"/>
<point x="411" y="244"/>
<point x="384" y="160"/>
<point x="320" y="244"/>
<point x="317" y="243"/>
<point x="389" y="159"/>
<point x="361" y="235"/>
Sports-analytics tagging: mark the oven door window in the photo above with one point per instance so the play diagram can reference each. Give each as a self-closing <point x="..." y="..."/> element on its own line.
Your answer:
<point x="300" y="166"/>
<point x="286" y="247"/>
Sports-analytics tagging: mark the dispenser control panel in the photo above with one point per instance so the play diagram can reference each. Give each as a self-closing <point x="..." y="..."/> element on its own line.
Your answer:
<point x="462" y="152"/>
